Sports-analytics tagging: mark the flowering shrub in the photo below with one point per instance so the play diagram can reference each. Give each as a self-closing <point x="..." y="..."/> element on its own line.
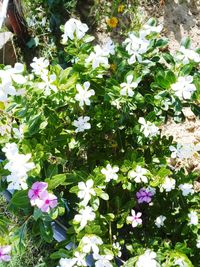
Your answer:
<point x="85" y="143"/>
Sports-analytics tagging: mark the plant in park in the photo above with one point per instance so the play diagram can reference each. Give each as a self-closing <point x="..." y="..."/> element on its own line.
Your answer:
<point x="85" y="143"/>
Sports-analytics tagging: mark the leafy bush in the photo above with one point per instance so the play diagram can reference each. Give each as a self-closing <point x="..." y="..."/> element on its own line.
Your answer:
<point x="85" y="143"/>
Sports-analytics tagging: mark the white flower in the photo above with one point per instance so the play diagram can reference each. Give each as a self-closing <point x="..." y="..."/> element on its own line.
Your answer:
<point x="117" y="247"/>
<point x="47" y="84"/>
<point x="7" y="77"/>
<point x="40" y="66"/>
<point x="180" y="262"/>
<point x="187" y="55"/>
<point x="193" y="216"/>
<point x="91" y="243"/>
<point x="10" y="150"/>
<point x="135" y="219"/>
<point x="136" y="46"/>
<point x="84" y="94"/>
<point x="149" y="129"/>
<point x="198" y="243"/>
<point x="110" y="172"/>
<point x="138" y="175"/>
<point x="64" y="262"/>
<point x="74" y="28"/>
<point x="19" y="133"/>
<point x="98" y="57"/>
<point x="160" y="221"/>
<point x="82" y="124"/>
<point x="184" y="88"/>
<point x="186" y="189"/>
<point x="148" y="259"/>
<point x="108" y="47"/>
<point x="80" y="259"/>
<point x="84" y="216"/>
<point x="127" y="88"/>
<point x="151" y="29"/>
<point x="18" y="165"/>
<point x="86" y="191"/>
<point x="103" y="260"/>
<point x="168" y="185"/>
<point x="184" y="151"/>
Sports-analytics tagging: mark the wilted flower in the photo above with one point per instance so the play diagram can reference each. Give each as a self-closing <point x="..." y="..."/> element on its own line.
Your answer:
<point x="103" y="260"/>
<point x="110" y="172"/>
<point x="193" y="216"/>
<point x="160" y="221"/>
<point x="147" y="259"/>
<point x="127" y="88"/>
<point x="138" y="175"/>
<point x="40" y="66"/>
<point x="120" y="8"/>
<point x="84" y="216"/>
<point x="186" y="189"/>
<point x="82" y="124"/>
<point x="149" y="129"/>
<point x="135" y="219"/>
<point x="112" y="22"/>
<point x="86" y="190"/>
<point x="74" y="29"/>
<point x="91" y="243"/>
<point x="184" y="88"/>
<point x="168" y="185"/>
<point x="5" y="253"/>
<point x="184" y="151"/>
<point x="84" y="94"/>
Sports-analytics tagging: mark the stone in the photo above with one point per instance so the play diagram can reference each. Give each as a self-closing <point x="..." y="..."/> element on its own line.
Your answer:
<point x="7" y="50"/>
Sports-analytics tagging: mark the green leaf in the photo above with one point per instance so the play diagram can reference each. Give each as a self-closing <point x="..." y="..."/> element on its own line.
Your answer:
<point x="56" y="181"/>
<point x="46" y="231"/>
<point x="20" y="200"/>
<point x="61" y="253"/>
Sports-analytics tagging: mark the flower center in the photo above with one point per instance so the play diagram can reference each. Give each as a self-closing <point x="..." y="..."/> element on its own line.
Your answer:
<point x="47" y="201"/>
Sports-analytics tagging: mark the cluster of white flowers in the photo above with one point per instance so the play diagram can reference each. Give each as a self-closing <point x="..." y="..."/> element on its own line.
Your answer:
<point x="159" y="221"/>
<point x="8" y="77"/>
<point x="101" y="54"/>
<point x="110" y="172"/>
<point x="147" y="259"/>
<point x="184" y="88"/>
<point x="149" y="129"/>
<point x="127" y="88"/>
<point x="184" y="151"/>
<point x="168" y="184"/>
<point x="139" y="175"/>
<point x="74" y="28"/>
<point x="18" y="165"/>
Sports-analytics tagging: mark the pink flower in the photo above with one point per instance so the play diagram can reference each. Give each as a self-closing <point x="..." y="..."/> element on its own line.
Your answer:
<point x="35" y="191"/>
<point x="135" y="219"/>
<point x="47" y="201"/>
<point x="5" y="253"/>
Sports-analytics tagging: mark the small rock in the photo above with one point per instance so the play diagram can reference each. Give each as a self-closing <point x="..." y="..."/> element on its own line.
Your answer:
<point x="189" y="114"/>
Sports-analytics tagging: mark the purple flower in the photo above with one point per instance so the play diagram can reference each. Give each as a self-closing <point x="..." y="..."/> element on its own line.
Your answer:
<point x="47" y="201"/>
<point x="145" y="195"/>
<point x="35" y="192"/>
<point x="5" y="253"/>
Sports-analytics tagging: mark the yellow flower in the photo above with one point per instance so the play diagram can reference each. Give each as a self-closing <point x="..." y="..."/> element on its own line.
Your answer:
<point x="112" y="22"/>
<point x="120" y="8"/>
